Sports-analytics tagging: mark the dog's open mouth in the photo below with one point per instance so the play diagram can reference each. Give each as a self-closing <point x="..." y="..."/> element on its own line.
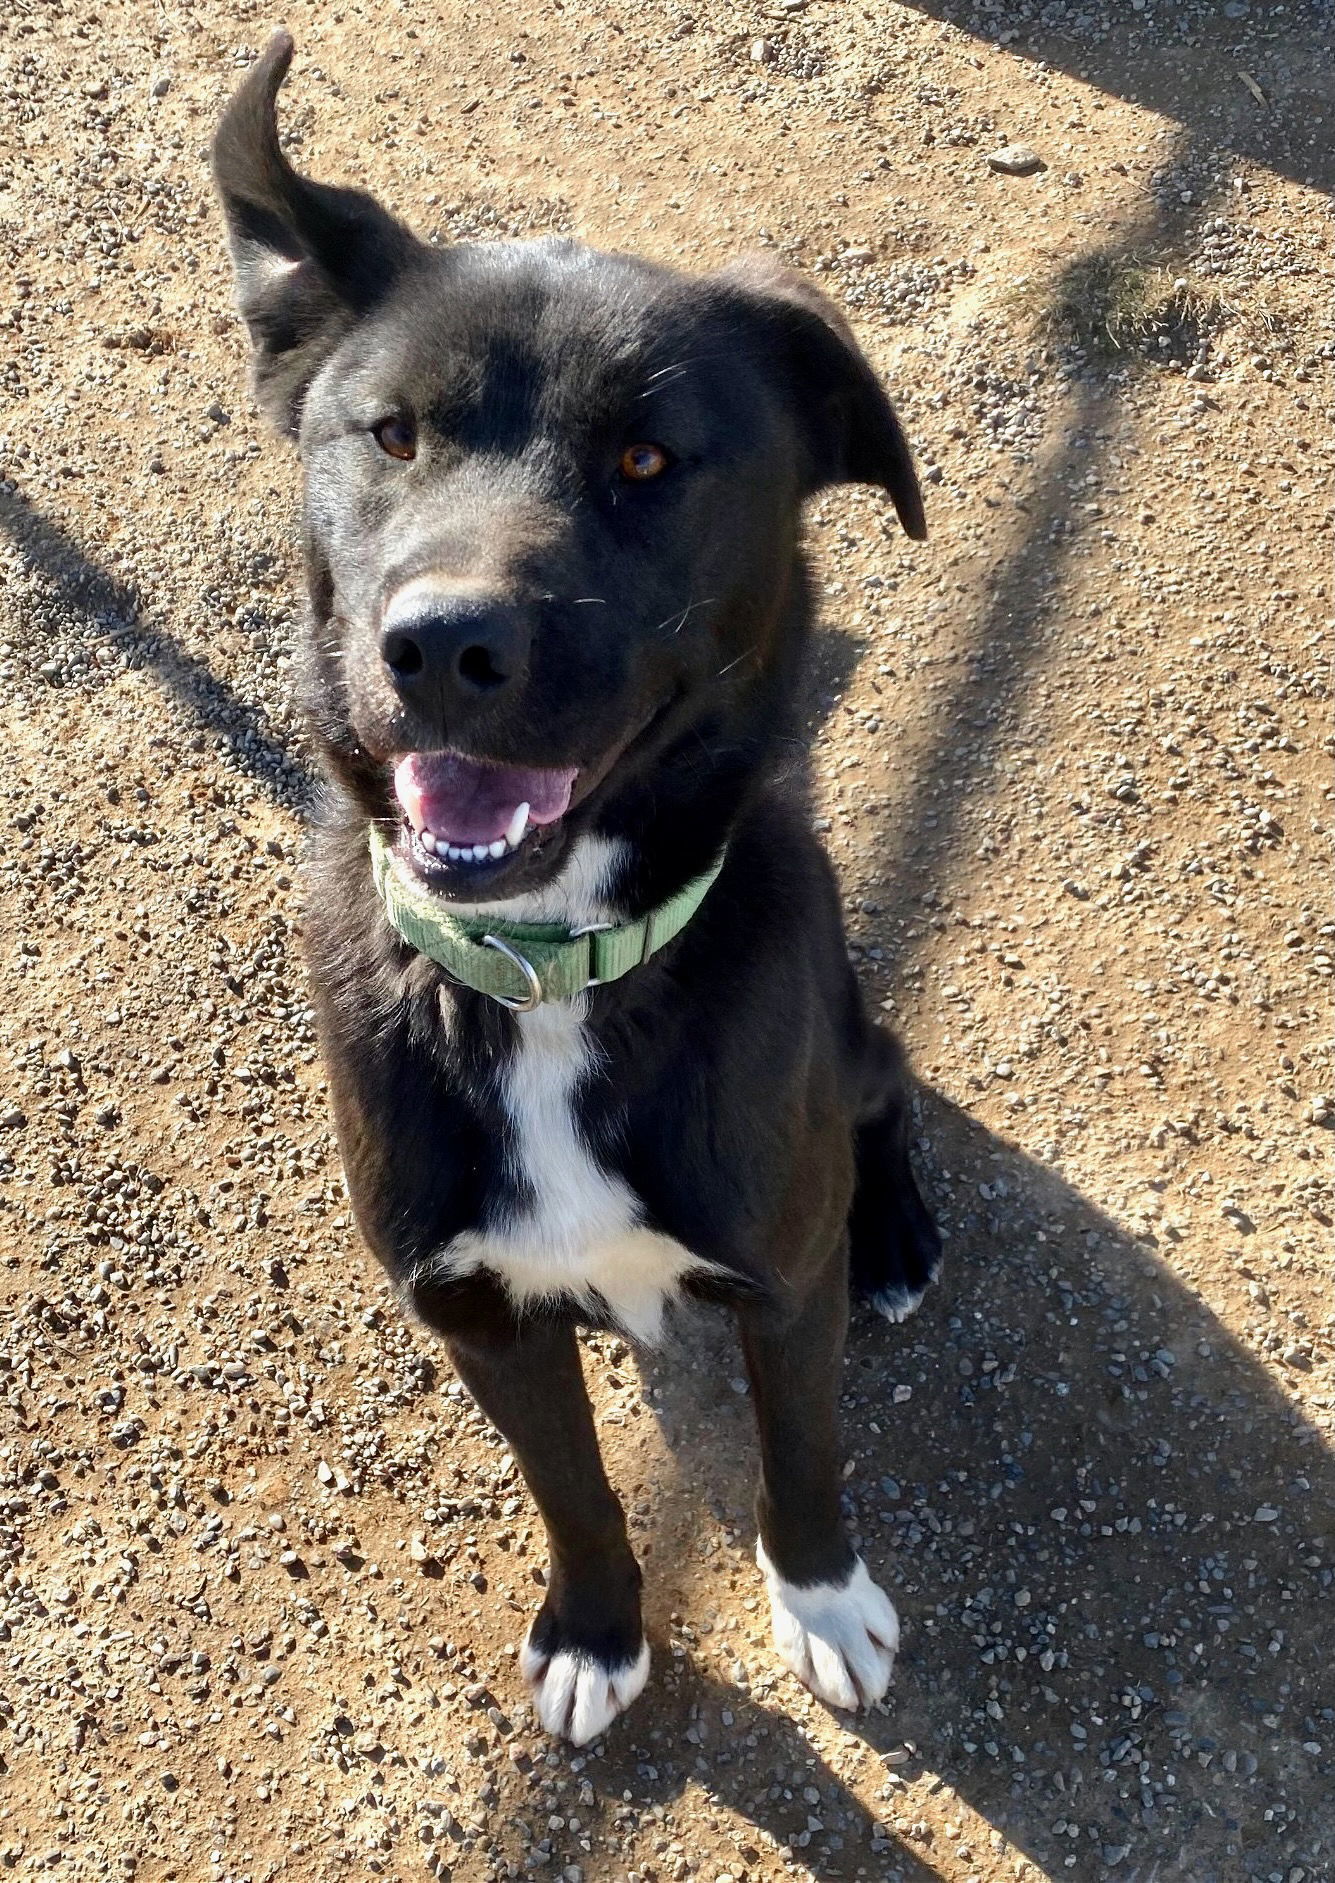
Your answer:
<point x="467" y="816"/>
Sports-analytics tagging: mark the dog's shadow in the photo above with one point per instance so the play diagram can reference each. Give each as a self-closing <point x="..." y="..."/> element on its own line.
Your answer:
<point x="1107" y="1533"/>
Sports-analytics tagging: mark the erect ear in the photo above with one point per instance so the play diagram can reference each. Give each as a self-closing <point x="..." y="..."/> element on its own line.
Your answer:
<point x="309" y="258"/>
<point x="850" y="425"/>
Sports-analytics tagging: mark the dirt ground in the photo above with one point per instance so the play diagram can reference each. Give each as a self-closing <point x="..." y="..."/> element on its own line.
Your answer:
<point x="263" y="1570"/>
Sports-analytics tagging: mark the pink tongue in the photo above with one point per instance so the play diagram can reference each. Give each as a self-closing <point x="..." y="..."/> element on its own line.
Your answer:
<point x="465" y="801"/>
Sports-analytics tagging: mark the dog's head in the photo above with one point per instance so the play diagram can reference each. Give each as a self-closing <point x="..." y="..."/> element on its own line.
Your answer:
<point x="552" y="503"/>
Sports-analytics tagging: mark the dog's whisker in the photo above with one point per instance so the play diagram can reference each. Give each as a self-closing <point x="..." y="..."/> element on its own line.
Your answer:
<point x="746" y="654"/>
<point x="665" y="376"/>
<point x="707" y="601"/>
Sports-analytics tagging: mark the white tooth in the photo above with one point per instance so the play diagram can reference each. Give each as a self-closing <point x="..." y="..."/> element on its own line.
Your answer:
<point x="514" y="830"/>
<point x="496" y="849"/>
<point x="455" y="856"/>
<point x="480" y="850"/>
<point x="427" y="840"/>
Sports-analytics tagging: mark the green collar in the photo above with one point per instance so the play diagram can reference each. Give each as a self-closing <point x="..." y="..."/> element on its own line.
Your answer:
<point x="522" y="964"/>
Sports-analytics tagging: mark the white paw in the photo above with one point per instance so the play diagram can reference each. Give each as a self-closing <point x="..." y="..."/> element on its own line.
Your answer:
<point x="576" y="1696"/>
<point x="839" y="1639"/>
<point x="896" y="1304"/>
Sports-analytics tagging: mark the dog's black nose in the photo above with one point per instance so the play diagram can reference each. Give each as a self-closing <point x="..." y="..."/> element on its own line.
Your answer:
<point x="450" y="650"/>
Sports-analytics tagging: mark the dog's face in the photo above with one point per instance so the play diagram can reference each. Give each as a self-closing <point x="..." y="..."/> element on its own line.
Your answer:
<point x="552" y="500"/>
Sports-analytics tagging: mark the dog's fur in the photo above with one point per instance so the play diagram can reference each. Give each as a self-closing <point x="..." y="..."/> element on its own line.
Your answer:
<point x="723" y="1121"/>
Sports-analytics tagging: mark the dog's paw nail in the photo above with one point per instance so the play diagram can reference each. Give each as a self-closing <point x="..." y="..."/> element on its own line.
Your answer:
<point x="839" y="1639"/>
<point x="576" y="1696"/>
<point x="896" y="1304"/>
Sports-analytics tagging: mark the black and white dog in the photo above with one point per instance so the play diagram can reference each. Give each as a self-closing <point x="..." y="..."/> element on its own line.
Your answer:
<point x="591" y="1030"/>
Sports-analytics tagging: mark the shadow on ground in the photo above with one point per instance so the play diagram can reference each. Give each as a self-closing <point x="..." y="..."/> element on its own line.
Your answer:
<point x="1011" y="638"/>
<point x="85" y="605"/>
<point x="1187" y="63"/>
<point x="1109" y="1536"/>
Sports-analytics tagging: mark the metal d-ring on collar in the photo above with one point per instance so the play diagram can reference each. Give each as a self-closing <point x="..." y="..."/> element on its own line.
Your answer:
<point x="534" y="996"/>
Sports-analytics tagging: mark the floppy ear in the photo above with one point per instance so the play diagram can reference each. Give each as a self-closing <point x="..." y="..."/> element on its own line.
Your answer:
<point x="309" y="258"/>
<point x="853" y="434"/>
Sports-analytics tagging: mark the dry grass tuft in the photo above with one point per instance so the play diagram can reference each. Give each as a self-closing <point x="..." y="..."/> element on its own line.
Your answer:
<point x="1113" y="305"/>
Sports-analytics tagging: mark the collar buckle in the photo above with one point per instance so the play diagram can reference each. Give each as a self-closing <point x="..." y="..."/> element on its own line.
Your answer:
<point x="592" y="928"/>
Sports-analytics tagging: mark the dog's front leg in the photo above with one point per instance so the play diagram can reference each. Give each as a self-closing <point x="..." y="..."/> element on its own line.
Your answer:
<point x="586" y="1657"/>
<point x="833" y="1627"/>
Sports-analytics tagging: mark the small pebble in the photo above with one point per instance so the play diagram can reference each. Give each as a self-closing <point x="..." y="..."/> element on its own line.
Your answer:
<point x="1015" y="160"/>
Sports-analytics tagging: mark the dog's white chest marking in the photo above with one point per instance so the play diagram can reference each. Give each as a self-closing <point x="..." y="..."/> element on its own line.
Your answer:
<point x="580" y="1232"/>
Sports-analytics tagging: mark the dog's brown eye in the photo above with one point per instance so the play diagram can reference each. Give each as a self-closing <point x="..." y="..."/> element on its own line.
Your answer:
<point x="641" y="462"/>
<point x="396" y="437"/>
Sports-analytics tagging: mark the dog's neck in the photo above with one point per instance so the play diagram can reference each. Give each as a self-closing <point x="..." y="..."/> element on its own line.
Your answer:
<point x="581" y="895"/>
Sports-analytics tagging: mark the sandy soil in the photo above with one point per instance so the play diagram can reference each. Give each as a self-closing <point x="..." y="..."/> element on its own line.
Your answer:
<point x="264" y="1572"/>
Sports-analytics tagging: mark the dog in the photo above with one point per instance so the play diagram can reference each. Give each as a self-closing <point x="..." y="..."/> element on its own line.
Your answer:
<point x="593" y="1039"/>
